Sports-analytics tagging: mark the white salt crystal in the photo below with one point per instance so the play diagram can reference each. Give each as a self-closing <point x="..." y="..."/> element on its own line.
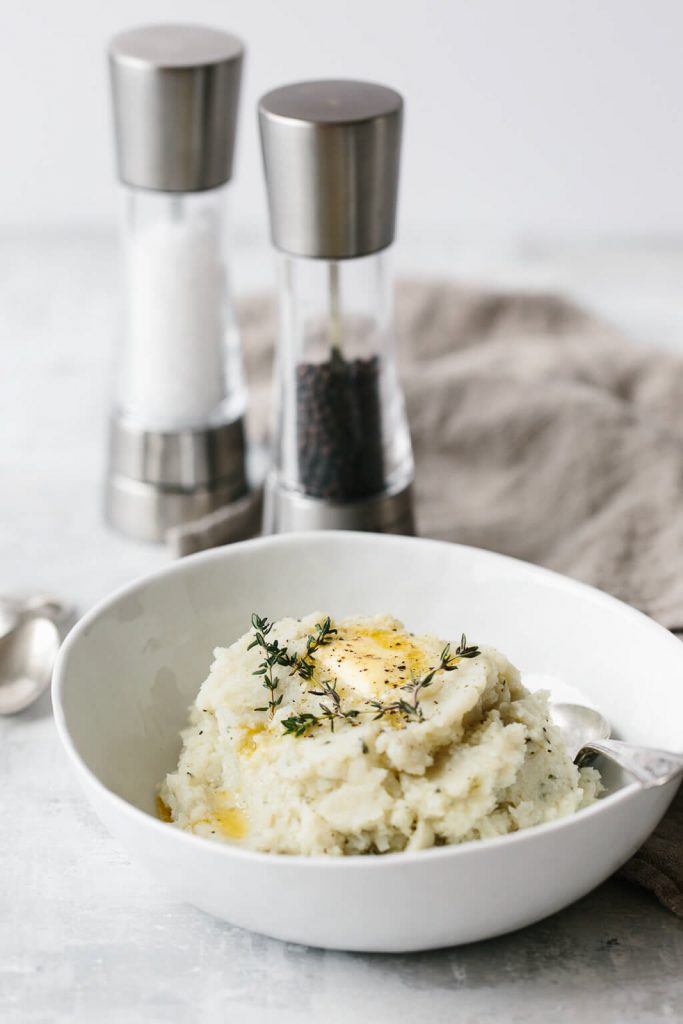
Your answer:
<point x="174" y="362"/>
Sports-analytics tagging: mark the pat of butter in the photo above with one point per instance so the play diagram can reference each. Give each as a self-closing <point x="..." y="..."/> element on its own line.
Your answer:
<point x="371" y="661"/>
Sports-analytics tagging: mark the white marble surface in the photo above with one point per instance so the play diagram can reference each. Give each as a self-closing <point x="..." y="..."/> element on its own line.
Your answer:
<point x="84" y="934"/>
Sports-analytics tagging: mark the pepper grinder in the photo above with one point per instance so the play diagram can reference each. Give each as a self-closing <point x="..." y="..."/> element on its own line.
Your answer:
<point x="342" y="456"/>
<point x="177" y="449"/>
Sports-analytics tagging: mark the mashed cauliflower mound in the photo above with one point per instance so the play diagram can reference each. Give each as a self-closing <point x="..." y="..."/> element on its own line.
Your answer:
<point x="479" y="758"/>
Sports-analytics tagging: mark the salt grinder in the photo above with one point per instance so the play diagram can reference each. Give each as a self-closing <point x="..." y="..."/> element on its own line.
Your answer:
<point x="177" y="448"/>
<point x="342" y="454"/>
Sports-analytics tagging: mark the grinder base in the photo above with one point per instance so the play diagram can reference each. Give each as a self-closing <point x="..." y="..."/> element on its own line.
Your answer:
<point x="157" y="480"/>
<point x="288" y="511"/>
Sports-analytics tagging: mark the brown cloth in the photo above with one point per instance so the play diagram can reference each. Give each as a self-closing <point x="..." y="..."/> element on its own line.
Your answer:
<point x="545" y="434"/>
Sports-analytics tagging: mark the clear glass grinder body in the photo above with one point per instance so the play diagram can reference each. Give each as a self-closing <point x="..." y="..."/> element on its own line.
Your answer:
<point x="179" y="360"/>
<point x="341" y="431"/>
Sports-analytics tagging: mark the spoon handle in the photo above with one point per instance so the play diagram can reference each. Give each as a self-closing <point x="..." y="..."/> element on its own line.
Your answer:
<point x="47" y="606"/>
<point x="650" y="767"/>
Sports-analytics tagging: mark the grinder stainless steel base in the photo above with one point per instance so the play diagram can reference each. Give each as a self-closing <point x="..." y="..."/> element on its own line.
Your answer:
<point x="286" y="512"/>
<point x="342" y="455"/>
<point x="158" y="480"/>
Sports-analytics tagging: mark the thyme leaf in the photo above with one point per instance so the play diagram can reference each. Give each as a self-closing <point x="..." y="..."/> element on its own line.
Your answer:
<point x="299" y="725"/>
<point x="463" y="651"/>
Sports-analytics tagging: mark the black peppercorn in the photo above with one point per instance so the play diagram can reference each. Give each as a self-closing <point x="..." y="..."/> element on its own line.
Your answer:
<point x="339" y="428"/>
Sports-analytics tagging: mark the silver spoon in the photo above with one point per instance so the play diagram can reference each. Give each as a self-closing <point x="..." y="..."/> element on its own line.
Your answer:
<point x="586" y="733"/>
<point x="33" y="631"/>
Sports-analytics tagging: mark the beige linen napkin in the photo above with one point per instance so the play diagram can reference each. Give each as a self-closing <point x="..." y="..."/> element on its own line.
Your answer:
<point x="542" y="433"/>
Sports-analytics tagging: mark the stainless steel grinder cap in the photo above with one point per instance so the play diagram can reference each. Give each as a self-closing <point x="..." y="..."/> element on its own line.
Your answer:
<point x="331" y="152"/>
<point x="175" y="90"/>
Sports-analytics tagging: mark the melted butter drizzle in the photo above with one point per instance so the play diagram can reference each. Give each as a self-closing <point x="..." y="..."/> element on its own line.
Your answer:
<point x="162" y="809"/>
<point x="248" y="741"/>
<point x="231" y="822"/>
<point x="225" y="817"/>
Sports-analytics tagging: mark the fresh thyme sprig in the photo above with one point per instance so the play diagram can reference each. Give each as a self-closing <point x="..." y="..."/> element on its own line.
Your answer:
<point x="407" y="710"/>
<point x="304" y="666"/>
<point x="300" y="725"/>
<point x="412" y="709"/>
<point x="333" y="710"/>
<point x="274" y="656"/>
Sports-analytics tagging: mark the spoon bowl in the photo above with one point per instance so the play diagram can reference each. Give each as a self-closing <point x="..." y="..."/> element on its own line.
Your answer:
<point x="586" y="735"/>
<point x="27" y="656"/>
<point x="579" y="725"/>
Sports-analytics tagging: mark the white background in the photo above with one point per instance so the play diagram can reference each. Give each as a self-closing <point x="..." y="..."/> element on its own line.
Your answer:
<point x="525" y="118"/>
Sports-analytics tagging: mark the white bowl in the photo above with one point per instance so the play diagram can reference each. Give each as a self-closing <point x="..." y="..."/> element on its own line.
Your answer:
<point x="129" y="670"/>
